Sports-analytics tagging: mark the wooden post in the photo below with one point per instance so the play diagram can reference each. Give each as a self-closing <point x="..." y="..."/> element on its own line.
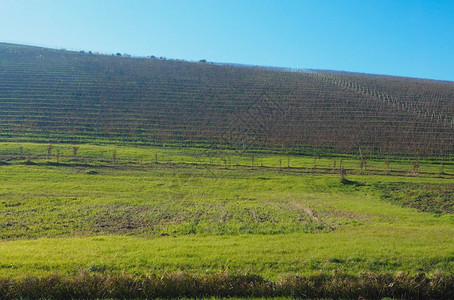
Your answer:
<point x="21" y="151"/>
<point x="49" y="151"/>
<point x="343" y="172"/>
<point x="416" y="167"/>
<point x="75" y="148"/>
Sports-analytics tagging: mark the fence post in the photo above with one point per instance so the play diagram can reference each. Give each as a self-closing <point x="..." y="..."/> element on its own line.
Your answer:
<point x="49" y="151"/>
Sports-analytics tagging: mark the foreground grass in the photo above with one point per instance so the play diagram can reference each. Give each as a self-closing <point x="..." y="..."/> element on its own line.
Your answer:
<point x="374" y="249"/>
<point x="90" y="214"/>
<point x="178" y="285"/>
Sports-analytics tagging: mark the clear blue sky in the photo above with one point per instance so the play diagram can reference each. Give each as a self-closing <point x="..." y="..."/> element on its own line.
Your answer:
<point x="408" y="38"/>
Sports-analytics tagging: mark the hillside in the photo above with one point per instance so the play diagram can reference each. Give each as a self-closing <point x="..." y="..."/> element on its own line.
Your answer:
<point x="62" y="96"/>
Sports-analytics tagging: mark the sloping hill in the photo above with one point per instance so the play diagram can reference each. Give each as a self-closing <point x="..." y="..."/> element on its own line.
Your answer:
<point x="62" y="96"/>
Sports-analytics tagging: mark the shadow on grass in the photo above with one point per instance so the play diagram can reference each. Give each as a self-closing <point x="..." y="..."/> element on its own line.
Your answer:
<point x="351" y="182"/>
<point x="59" y="164"/>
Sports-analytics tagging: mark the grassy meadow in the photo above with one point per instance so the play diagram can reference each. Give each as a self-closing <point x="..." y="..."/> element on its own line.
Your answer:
<point x="135" y="210"/>
<point x="155" y="210"/>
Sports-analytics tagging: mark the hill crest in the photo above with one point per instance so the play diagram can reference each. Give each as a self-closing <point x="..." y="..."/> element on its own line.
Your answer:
<point x="63" y="96"/>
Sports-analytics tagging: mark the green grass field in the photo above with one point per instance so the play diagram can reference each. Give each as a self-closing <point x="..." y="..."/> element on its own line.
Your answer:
<point x="160" y="210"/>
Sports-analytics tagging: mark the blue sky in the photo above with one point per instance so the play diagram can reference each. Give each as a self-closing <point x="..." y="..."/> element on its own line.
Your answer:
<point x="405" y="38"/>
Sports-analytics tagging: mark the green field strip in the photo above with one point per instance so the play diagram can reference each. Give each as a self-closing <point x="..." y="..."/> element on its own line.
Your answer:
<point x="231" y="158"/>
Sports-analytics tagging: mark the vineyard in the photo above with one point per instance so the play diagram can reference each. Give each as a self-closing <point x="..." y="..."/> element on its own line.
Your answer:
<point x="77" y="97"/>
